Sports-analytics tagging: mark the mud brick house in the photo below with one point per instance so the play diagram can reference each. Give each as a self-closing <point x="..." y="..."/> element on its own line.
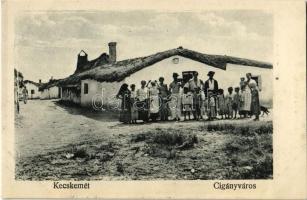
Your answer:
<point x="50" y="90"/>
<point x="102" y="77"/>
<point x="33" y="89"/>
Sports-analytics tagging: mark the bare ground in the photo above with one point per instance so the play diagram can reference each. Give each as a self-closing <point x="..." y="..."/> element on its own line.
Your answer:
<point x="55" y="142"/>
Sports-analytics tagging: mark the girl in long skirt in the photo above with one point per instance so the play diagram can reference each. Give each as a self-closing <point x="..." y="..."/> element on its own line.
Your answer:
<point x="212" y="108"/>
<point x="221" y="103"/>
<point x="125" y="113"/>
<point x="134" y="110"/>
<point x="153" y="101"/>
<point x="142" y="102"/>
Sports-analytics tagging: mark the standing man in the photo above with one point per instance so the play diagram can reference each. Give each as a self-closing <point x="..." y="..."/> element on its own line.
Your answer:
<point x="175" y="104"/>
<point x="195" y="82"/>
<point x="211" y="84"/>
<point x="25" y="94"/>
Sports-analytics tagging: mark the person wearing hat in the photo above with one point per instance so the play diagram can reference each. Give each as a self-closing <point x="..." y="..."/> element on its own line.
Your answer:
<point x="211" y="84"/>
<point x="175" y="104"/>
<point x="163" y="95"/>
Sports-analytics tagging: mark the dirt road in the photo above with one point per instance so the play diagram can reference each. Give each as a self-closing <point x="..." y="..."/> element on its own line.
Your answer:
<point x="56" y="142"/>
<point x="44" y="125"/>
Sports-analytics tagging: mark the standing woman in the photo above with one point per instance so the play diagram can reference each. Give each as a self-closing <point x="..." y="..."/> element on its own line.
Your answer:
<point x="124" y="94"/>
<point x="153" y="94"/>
<point x="248" y="93"/>
<point x="163" y="93"/>
<point x="134" y="110"/>
<point x="255" y="106"/>
<point x="142" y="102"/>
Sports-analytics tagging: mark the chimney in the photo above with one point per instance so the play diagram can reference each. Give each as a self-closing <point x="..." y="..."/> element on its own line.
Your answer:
<point x="40" y="81"/>
<point x="112" y="52"/>
<point x="82" y="60"/>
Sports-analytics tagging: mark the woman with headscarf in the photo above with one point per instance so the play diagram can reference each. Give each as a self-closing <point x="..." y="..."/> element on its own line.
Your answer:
<point x="255" y="105"/>
<point x="247" y="98"/>
<point x="134" y="110"/>
<point x="142" y="102"/>
<point x="163" y="94"/>
<point x="154" y="105"/>
<point x="124" y="94"/>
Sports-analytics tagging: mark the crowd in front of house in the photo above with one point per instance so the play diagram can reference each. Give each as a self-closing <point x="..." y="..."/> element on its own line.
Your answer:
<point x="194" y="99"/>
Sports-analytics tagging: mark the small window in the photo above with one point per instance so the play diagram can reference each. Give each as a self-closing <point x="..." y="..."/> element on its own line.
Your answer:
<point x="85" y="88"/>
<point x="32" y="92"/>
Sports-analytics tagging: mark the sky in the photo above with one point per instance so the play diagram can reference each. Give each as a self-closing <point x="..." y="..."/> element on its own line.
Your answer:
<point x="47" y="43"/>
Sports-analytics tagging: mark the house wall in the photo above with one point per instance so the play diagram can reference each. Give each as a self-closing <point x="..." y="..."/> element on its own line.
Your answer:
<point x="70" y="94"/>
<point x="50" y="93"/>
<point x="31" y="87"/>
<point x="226" y="78"/>
<point x="99" y="93"/>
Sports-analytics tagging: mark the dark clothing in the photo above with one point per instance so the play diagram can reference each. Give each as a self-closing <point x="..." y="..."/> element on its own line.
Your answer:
<point x="125" y="113"/>
<point x="206" y="87"/>
<point x="255" y="105"/>
<point x="163" y="94"/>
<point x="142" y="107"/>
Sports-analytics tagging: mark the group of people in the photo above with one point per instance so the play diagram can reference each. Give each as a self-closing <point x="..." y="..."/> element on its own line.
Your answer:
<point x="156" y="100"/>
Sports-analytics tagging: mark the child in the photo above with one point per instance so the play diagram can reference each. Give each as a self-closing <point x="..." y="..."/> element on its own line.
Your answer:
<point x="212" y="113"/>
<point x="236" y="101"/>
<point x="241" y="102"/>
<point x="242" y="82"/>
<point x="197" y="102"/>
<point x="228" y="102"/>
<point x="187" y="101"/>
<point x="134" y="110"/>
<point x="221" y="103"/>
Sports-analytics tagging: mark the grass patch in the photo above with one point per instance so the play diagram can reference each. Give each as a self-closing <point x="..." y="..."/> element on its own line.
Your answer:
<point x="241" y="129"/>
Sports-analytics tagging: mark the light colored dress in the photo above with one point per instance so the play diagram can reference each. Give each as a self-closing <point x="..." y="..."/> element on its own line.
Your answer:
<point x="221" y="104"/>
<point x="228" y="102"/>
<point x="187" y="101"/>
<point x="212" y="113"/>
<point x="175" y="101"/>
<point x="153" y="94"/>
<point x="134" y="110"/>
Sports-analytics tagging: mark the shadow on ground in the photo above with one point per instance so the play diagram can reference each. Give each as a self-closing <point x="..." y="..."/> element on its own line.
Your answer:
<point x="99" y="115"/>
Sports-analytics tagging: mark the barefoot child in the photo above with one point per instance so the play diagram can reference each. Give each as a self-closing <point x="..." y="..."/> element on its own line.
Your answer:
<point x="187" y="101"/>
<point x="236" y="101"/>
<point x="228" y="102"/>
<point x="212" y="113"/>
<point x="221" y="103"/>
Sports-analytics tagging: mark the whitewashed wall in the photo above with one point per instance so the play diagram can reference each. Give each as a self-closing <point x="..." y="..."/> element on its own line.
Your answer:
<point x="226" y="78"/>
<point x="99" y="92"/>
<point x="30" y="87"/>
<point x="50" y="93"/>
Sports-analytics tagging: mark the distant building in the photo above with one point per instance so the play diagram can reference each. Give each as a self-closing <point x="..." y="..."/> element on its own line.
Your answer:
<point x="101" y="78"/>
<point x="33" y="89"/>
<point x="50" y="90"/>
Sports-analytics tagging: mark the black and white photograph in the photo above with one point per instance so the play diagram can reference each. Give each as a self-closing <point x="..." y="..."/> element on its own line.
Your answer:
<point x="143" y="95"/>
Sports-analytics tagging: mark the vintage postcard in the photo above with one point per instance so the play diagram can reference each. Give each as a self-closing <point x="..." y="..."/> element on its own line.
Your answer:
<point x="154" y="99"/>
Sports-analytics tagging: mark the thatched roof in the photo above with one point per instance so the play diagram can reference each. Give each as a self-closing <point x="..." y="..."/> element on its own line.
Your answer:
<point x="34" y="83"/>
<point x="122" y="69"/>
<point x="51" y="83"/>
